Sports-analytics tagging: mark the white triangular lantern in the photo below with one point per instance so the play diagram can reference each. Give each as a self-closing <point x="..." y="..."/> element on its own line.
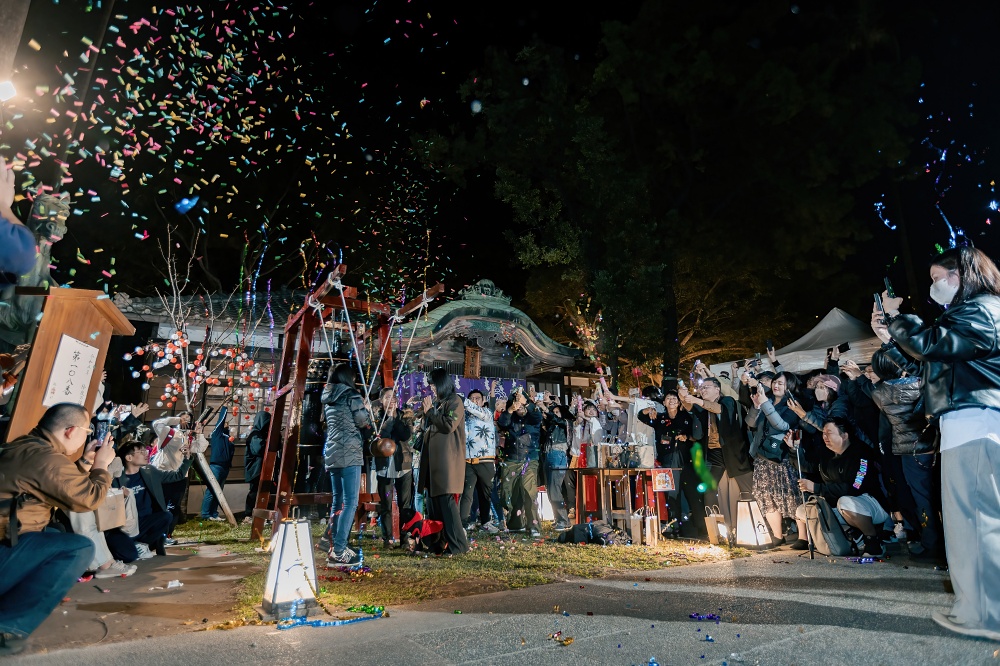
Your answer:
<point x="291" y="575"/>
<point x="752" y="530"/>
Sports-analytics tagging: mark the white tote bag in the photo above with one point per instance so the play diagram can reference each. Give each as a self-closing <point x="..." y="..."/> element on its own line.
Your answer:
<point x="131" y="526"/>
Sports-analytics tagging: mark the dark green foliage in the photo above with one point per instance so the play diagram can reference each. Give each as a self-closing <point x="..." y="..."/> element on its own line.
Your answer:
<point x="700" y="169"/>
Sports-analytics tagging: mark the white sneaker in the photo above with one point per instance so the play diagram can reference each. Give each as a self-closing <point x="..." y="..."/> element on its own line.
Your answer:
<point x="117" y="569"/>
<point x="489" y="528"/>
<point x="144" y="552"/>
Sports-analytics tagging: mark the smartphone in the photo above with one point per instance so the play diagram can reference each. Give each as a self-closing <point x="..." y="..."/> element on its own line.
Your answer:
<point x="846" y="347"/>
<point x="101" y="429"/>
<point x="890" y="292"/>
<point x="878" y="306"/>
<point x="753" y="389"/>
<point x="769" y="344"/>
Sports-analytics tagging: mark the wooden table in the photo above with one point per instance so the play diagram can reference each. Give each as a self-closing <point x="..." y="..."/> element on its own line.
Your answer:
<point x="606" y="494"/>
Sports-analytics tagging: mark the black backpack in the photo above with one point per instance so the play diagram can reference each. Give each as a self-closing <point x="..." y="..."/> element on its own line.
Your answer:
<point x="827" y="535"/>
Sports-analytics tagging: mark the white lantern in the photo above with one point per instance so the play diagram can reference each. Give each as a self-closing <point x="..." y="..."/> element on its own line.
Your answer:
<point x="752" y="530"/>
<point x="291" y="575"/>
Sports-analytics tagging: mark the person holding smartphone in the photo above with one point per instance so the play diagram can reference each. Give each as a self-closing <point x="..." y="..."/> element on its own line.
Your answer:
<point x="775" y="477"/>
<point x="39" y="472"/>
<point x="960" y="364"/>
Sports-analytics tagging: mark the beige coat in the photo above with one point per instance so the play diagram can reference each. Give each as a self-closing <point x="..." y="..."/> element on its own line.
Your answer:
<point x="33" y="464"/>
<point x="442" y="457"/>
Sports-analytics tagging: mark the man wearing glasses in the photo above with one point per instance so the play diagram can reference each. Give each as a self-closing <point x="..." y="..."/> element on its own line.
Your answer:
<point x="147" y="483"/>
<point x="41" y="471"/>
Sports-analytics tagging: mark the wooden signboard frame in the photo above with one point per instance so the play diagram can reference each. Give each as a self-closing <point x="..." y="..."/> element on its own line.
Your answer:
<point x="83" y="315"/>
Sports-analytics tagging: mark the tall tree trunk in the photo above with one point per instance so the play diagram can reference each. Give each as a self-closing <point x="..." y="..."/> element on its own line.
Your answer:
<point x="668" y="310"/>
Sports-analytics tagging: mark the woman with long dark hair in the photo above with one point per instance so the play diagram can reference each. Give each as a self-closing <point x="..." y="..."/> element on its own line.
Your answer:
<point x="960" y="369"/>
<point x="775" y="478"/>
<point x="442" y="458"/>
<point x="346" y="420"/>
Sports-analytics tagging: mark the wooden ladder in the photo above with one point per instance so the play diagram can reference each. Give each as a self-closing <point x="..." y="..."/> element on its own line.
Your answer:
<point x="275" y="496"/>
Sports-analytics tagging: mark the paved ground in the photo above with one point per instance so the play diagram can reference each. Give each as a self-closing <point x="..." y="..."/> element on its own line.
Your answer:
<point x="142" y="606"/>
<point x="775" y="608"/>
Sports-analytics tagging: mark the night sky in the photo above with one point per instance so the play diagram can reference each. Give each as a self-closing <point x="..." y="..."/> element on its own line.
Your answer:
<point x="328" y="96"/>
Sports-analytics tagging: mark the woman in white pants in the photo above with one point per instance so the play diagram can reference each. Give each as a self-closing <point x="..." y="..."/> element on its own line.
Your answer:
<point x="960" y="368"/>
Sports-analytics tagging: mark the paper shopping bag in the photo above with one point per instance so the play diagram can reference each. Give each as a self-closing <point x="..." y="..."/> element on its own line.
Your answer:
<point x="111" y="513"/>
<point x="713" y="519"/>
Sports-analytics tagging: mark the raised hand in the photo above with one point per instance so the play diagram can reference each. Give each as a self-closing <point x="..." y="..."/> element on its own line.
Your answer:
<point x="851" y="369"/>
<point x="891" y="305"/>
<point x="879" y="327"/>
<point x="105" y="454"/>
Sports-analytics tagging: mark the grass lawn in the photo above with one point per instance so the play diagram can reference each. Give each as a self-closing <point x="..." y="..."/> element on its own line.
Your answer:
<point x="495" y="563"/>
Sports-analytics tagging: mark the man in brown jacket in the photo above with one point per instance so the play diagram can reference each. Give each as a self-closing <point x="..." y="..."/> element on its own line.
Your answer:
<point x="38" y="472"/>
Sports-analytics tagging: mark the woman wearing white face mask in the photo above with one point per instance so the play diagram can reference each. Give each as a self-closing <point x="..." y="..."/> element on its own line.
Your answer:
<point x="960" y="368"/>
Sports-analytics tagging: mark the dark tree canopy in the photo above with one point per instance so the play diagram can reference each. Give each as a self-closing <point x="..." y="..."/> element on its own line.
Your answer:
<point x="693" y="171"/>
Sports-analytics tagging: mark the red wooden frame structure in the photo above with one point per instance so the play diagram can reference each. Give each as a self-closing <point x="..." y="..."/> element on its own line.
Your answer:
<point x="275" y="494"/>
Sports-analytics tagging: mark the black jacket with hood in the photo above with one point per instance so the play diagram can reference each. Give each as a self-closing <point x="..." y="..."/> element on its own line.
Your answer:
<point x="256" y="441"/>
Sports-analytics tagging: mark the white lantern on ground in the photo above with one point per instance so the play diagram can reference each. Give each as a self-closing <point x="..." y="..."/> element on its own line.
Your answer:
<point x="291" y="575"/>
<point x="752" y="530"/>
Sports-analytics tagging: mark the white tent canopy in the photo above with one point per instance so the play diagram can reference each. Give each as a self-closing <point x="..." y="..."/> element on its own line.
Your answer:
<point x="809" y="352"/>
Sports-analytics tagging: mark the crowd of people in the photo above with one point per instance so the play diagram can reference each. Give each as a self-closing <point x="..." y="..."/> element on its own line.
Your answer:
<point x="904" y="449"/>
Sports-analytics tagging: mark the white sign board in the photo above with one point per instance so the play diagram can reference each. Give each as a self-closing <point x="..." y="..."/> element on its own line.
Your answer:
<point x="69" y="380"/>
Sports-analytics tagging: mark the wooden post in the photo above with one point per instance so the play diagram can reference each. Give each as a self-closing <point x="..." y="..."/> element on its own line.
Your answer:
<point x="206" y="472"/>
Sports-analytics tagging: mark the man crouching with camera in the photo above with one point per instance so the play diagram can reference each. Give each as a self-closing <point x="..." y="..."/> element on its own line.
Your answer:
<point x="38" y="472"/>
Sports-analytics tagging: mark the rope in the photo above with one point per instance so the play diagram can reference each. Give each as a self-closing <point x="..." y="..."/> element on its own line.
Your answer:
<point x="388" y="341"/>
<point x="354" y="346"/>
<point x="402" y="360"/>
<point x="318" y="307"/>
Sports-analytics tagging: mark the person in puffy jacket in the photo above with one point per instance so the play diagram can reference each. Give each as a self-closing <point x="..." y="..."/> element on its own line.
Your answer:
<point x="253" y="459"/>
<point x="897" y="394"/>
<point x="960" y="367"/>
<point x="347" y="425"/>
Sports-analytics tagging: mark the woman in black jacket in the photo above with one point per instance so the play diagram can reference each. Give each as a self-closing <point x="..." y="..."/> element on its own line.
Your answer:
<point x="960" y="357"/>
<point x="394" y="473"/>
<point x="672" y="429"/>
